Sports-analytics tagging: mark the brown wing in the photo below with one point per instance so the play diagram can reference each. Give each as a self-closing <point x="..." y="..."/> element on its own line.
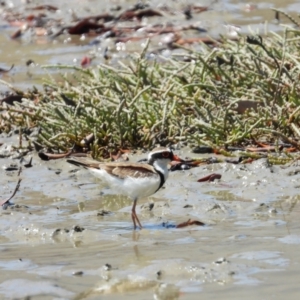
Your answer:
<point x="118" y="169"/>
<point x="123" y="170"/>
<point x="84" y="162"/>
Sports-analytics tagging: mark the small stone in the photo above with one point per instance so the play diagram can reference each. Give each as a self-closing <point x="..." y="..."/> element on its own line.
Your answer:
<point x="273" y="211"/>
<point x="158" y="275"/>
<point x="103" y="213"/>
<point x="107" y="267"/>
<point x="221" y="261"/>
<point x="147" y="206"/>
<point x="56" y="232"/>
<point x="78" y="228"/>
<point x="202" y="149"/>
<point x="78" y="273"/>
<point x="188" y="206"/>
<point x="11" y="167"/>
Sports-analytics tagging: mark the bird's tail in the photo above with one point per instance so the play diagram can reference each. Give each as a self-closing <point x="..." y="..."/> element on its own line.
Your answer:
<point x="85" y="162"/>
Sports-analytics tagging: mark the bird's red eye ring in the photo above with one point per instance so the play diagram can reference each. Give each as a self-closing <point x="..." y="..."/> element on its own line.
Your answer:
<point x="165" y="154"/>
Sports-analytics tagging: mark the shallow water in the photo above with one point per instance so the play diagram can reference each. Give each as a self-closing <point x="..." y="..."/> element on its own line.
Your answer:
<point x="248" y="249"/>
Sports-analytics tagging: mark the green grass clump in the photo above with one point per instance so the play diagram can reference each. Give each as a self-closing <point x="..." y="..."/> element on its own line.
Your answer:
<point x="195" y="98"/>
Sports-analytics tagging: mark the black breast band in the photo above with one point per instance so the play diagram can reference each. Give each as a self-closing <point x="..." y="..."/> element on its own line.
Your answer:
<point x="162" y="179"/>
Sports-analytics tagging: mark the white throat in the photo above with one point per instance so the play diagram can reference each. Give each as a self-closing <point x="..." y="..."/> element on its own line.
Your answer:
<point x="161" y="165"/>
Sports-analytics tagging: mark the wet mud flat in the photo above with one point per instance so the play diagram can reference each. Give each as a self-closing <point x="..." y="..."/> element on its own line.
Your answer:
<point x="68" y="236"/>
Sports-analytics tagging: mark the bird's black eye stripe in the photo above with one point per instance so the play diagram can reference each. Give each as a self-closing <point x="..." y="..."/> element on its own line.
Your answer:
<point x="165" y="154"/>
<point x="160" y="155"/>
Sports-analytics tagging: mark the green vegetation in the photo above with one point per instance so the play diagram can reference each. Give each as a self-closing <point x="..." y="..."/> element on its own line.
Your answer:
<point x="196" y="98"/>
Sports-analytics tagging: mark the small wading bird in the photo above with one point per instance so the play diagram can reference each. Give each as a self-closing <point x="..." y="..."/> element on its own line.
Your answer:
<point x="135" y="180"/>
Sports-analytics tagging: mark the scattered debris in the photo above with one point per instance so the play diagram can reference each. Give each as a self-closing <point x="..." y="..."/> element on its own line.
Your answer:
<point x="78" y="273"/>
<point x="78" y="228"/>
<point x="11" y="99"/>
<point x="190" y="223"/>
<point x="49" y="156"/>
<point x="26" y="164"/>
<point x="107" y="267"/>
<point x="103" y="213"/>
<point x="148" y="206"/>
<point x="5" y="203"/>
<point x="221" y="260"/>
<point x="210" y="177"/>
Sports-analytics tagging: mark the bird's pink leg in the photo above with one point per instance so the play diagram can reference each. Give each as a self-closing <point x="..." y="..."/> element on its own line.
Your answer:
<point x="134" y="216"/>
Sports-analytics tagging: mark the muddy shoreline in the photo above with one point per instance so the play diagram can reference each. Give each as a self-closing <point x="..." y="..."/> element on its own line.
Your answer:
<point x="56" y="241"/>
<point x="68" y="236"/>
